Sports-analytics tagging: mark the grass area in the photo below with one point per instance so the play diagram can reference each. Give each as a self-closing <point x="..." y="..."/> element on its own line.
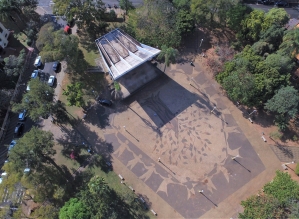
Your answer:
<point x="112" y="179"/>
<point x="90" y="56"/>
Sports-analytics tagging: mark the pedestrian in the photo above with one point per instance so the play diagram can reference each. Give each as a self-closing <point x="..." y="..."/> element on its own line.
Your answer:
<point x="191" y="63"/>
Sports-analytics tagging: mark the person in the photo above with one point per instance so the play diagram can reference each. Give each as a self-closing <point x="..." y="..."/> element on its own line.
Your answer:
<point x="191" y="63"/>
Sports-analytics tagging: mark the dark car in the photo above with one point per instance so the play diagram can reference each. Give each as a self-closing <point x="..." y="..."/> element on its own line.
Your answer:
<point x="105" y="102"/>
<point x="108" y="6"/>
<point x="19" y="129"/>
<point x="115" y="6"/>
<point x="56" y="66"/>
<point x="266" y="2"/>
<point x="281" y="4"/>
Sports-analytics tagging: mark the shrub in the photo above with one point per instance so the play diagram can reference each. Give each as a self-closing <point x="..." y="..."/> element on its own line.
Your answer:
<point x="297" y="169"/>
<point x="276" y="135"/>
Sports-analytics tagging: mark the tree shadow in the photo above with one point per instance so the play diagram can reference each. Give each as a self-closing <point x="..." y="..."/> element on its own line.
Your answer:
<point x="79" y="137"/>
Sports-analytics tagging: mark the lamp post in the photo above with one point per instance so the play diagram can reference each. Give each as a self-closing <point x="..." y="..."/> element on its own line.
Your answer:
<point x="200" y="43"/>
<point x="235" y="157"/>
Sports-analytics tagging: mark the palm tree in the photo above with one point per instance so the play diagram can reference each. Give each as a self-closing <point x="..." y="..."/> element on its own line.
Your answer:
<point x="169" y="55"/>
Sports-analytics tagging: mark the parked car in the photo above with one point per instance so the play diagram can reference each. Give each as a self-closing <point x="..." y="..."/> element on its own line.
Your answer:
<point x="281" y="4"/>
<point x="56" y="66"/>
<point x="108" y="6"/>
<point x="266" y="2"/>
<point x="27" y="88"/>
<point x="105" y="102"/>
<point x="38" y="62"/>
<point x="115" y="6"/>
<point x="19" y="129"/>
<point x="34" y="74"/>
<point x="51" y="80"/>
<point x="11" y="145"/>
<point x="22" y="115"/>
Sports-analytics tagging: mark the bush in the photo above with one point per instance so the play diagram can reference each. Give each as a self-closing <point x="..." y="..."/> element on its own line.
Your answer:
<point x="276" y="135"/>
<point x="297" y="169"/>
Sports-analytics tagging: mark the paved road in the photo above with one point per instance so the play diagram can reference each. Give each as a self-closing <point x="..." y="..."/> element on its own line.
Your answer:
<point x="292" y="12"/>
<point x="112" y="2"/>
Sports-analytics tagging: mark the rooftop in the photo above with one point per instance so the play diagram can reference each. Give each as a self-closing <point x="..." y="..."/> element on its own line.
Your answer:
<point x="122" y="53"/>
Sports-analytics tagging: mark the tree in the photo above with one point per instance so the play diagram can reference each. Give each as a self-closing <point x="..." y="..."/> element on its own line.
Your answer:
<point x="126" y="5"/>
<point x="168" y="54"/>
<point x="283" y="188"/>
<point x="252" y="26"/>
<point x="280" y="199"/>
<point x="235" y="15"/>
<point x="97" y="185"/>
<point x="284" y="102"/>
<point x="46" y="211"/>
<point x="74" y="94"/>
<point x="275" y="16"/>
<point x="155" y="24"/>
<point x="273" y="35"/>
<point x="184" y="21"/>
<point x="74" y="208"/>
<point x="240" y="86"/>
<point x="14" y="65"/>
<point x="56" y="45"/>
<point x="261" y="207"/>
<point x="38" y="101"/>
<point x="290" y="44"/>
<point x="283" y="64"/>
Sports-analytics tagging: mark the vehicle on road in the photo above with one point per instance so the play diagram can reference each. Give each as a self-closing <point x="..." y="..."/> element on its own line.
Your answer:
<point x="38" y="62"/>
<point x="56" y="66"/>
<point x="22" y="115"/>
<point x="34" y="74"/>
<point x="105" y="102"/>
<point x="281" y="4"/>
<point x="266" y="2"/>
<point x="27" y="88"/>
<point x="19" y="128"/>
<point x="108" y="6"/>
<point x="51" y="80"/>
<point x="11" y="145"/>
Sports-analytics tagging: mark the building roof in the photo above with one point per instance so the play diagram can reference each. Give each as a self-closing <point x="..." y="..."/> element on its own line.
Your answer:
<point x="122" y="53"/>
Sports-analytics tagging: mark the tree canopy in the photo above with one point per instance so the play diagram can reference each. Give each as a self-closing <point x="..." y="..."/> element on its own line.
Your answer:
<point x="279" y="200"/>
<point x="14" y="65"/>
<point x="38" y="101"/>
<point x="74" y="94"/>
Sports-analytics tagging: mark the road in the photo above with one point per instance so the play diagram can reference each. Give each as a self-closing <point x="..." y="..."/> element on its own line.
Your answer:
<point x="112" y="2"/>
<point x="292" y="12"/>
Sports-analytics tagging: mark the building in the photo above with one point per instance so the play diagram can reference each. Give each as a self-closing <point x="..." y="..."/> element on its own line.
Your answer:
<point x="4" y="34"/>
<point x="127" y="60"/>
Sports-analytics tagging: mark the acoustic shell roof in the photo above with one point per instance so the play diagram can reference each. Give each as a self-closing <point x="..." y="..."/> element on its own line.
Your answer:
<point x="122" y="53"/>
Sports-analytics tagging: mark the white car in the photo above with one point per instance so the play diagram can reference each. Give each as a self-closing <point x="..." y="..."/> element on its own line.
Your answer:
<point x="34" y="74"/>
<point x="22" y="115"/>
<point x="51" y="80"/>
<point x="12" y="144"/>
<point x="38" y="61"/>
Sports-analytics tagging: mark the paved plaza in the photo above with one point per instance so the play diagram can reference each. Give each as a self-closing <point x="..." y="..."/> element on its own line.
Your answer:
<point x="173" y="119"/>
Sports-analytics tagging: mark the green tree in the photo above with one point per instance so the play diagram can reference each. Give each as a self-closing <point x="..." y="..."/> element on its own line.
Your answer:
<point x="275" y="16"/>
<point x="252" y="26"/>
<point x="290" y="43"/>
<point x="14" y="65"/>
<point x="182" y="4"/>
<point x="168" y="54"/>
<point x="280" y="199"/>
<point x="184" y="21"/>
<point x="155" y="24"/>
<point x="283" y="64"/>
<point x="74" y="208"/>
<point x="46" y="211"/>
<point x="74" y="94"/>
<point x="273" y="35"/>
<point x="235" y="15"/>
<point x="261" y="207"/>
<point x="126" y="5"/>
<point x="283" y="188"/>
<point x="97" y="185"/>
<point x="38" y="101"/>
<point x="284" y="102"/>
<point x="240" y="86"/>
